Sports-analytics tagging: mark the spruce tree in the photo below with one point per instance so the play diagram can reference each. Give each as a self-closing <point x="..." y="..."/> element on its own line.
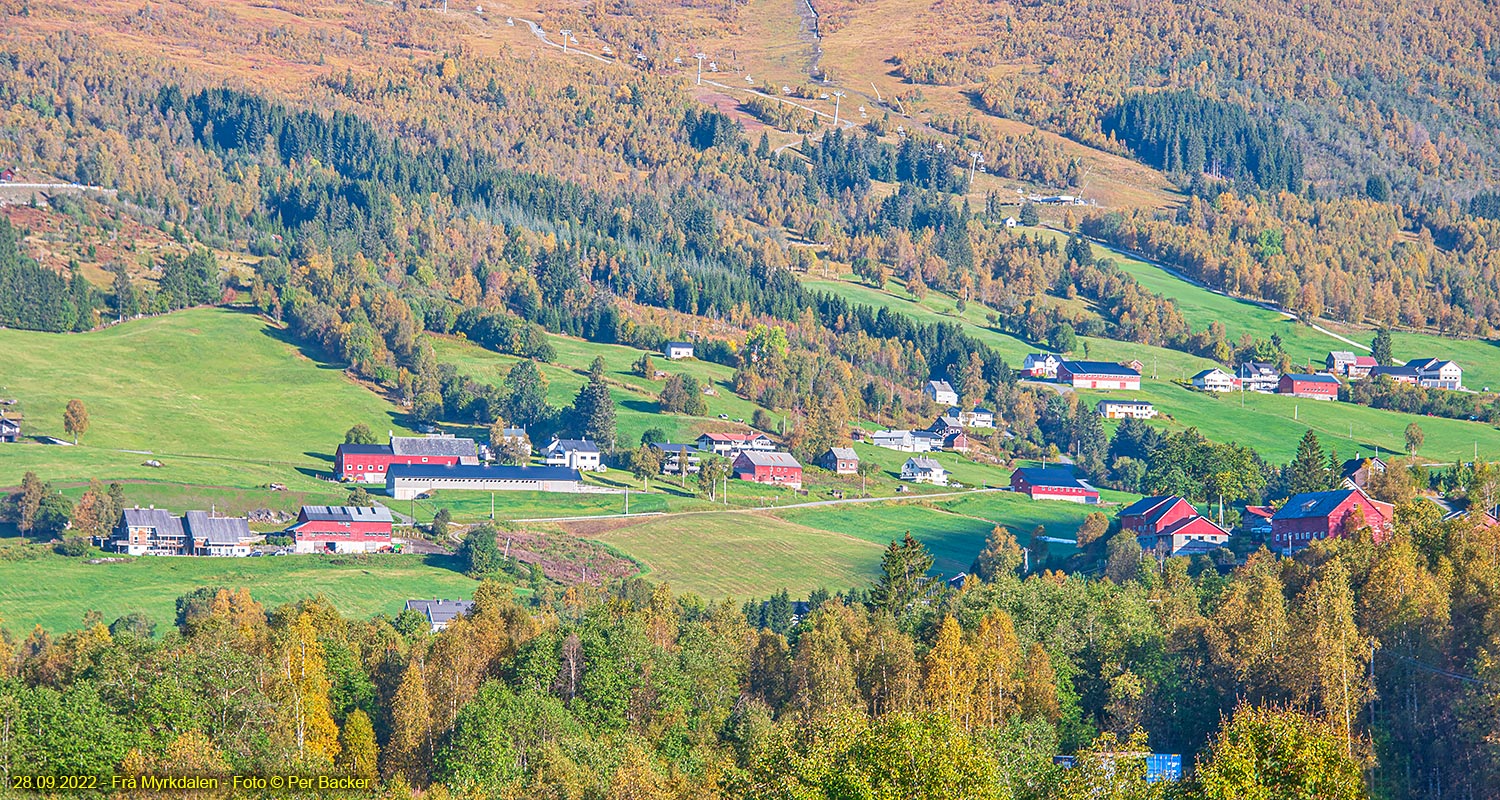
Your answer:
<point x="1381" y="348"/>
<point x="1308" y="471"/>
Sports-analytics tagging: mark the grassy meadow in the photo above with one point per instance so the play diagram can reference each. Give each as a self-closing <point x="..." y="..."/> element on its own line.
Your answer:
<point x="358" y="587"/>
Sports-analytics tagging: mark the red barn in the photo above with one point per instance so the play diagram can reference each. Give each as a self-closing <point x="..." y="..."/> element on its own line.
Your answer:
<point x="342" y="529"/>
<point x="1152" y="515"/>
<point x="1098" y="375"/>
<point x="778" y="469"/>
<point x="369" y="463"/>
<point x="1052" y="483"/>
<point x="1317" y="387"/>
<point x="1320" y="515"/>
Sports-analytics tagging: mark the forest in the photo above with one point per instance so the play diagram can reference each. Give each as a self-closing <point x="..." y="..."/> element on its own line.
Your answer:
<point x="1182" y="133"/>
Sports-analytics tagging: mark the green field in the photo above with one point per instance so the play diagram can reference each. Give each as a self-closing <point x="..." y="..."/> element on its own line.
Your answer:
<point x="743" y="555"/>
<point x="358" y="587"/>
<point x="221" y="398"/>
<point x="1270" y="424"/>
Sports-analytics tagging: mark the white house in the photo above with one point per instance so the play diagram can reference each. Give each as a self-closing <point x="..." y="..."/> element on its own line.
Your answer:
<point x="1122" y="409"/>
<point x="579" y="454"/>
<point x="1258" y="376"/>
<point x="919" y="469"/>
<point x="676" y="350"/>
<point x="1041" y="365"/>
<point x="902" y="441"/>
<point x="1215" y="380"/>
<point x="1433" y="373"/>
<point x="1011" y="222"/>
<point x="979" y="418"/>
<point x="941" y="392"/>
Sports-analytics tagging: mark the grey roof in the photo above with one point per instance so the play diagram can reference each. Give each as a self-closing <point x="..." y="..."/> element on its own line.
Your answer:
<point x="439" y="612"/>
<point x="675" y="447"/>
<point x="1313" y="504"/>
<point x="1249" y="369"/>
<point x="568" y="445"/>
<point x="1125" y="402"/>
<point x="762" y="458"/>
<point x="1057" y="477"/>
<point x="845" y="453"/>
<point x="365" y="449"/>
<point x="922" y="462"/>
<point x="434" y="446"/>
<point x="671" y="345"/>
<point x="1210" y="371"/>
<point x="1428" y="364"/>
<point x="1145" y="504"/>
<point x="513" y="432"/>
<point x="1313" y="378"/>
<point x="1341" y="355"/>
<point x="1402" y="370"/>
<point x="493" y="472"/>
<point x="940" y="386"/>
<point x="1098" y="368"/>
<point x="348" y="513"/>
<point x="217" y="530"/>
<point x="159" y="518"/>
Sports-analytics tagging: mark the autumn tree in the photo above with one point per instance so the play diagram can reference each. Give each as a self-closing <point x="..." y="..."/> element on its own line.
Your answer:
<point x="1264" y="752"/>
<point x="1414" y="438"/>
<point x="76" y="419"/>
<point x="1001" y="555"/>
<point x="359" y="434"/>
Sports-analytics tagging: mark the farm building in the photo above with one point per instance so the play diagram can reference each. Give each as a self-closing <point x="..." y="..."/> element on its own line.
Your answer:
<point x="920" y="469"/>
<point x="1433" y="373"/>
<point x="369" y="463"/>
<point x="1041" y="365"/>
<point x="1356" y="472"/>
<point x="439" y="612"/>
<point x="778" y="469"/>
<point x="678" y="350"/>
<point x="1187" y="537"/>
<point x="1052" y="483"/>
<point x="10" y="429"/>
<point x="941" y="392"/>
<point x="730" y="445"/>
<point x="212" y="535"/>
<point x="678" y="458"/>
<point x="1402" y="374"/>
<point x="579" y="454"/>
<point x="1098" y="375"/>
<point x="841" y="460"/>
<point x="1258" y="376"/>
<point x="1171" y="526"/>
<point x="1320" y="515"/>
<point x="1256" y="521"/>
<point x="1320" y="386"/>
<point x="342" y="529"/>
<point x="1215" y="380"/>
<point x="147" y="532"/>
<point x="958" y="442"/>
<point x="1153" y="514"/>
<point x="1346" y="363"/>
<point x="903" y="441"/>
<point x="1126" y="409"/>
<point x="406" y="481"/>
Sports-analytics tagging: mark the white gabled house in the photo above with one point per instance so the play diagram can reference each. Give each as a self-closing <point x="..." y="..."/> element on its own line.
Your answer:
<point x="903" y="441"/>
<point x="941" y="392"/>
<point x="919" y="469"/>
<point x="1215" y="380"/>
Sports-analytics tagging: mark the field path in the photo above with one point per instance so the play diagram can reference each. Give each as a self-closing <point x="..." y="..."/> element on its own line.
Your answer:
<point x="812" y="504"/>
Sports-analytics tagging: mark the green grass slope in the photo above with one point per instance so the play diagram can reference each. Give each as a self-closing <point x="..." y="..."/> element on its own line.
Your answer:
<point x="220" y="397"/>
<point x="1270" y="424"/>
<point x="357" y="587"/>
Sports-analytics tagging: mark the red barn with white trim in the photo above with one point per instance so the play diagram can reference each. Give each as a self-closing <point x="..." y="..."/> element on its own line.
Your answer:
<point x="1052" y="483"/>
<point x="778" y="469"/>
<point x="342" y="529"/>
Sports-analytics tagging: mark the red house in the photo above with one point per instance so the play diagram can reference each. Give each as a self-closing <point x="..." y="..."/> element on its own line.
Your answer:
<point x="1320" y="515"/>
<point x="1152" y="515"/>
<point x="1186" y="537"/>
<point x="1052" y="483"/>
<point x="369" y="463"/>
<point x="1321" y="386"/>
<point x="778" y="469"/>
<point x="1098" y="375"/>
<point x="342" y="529"/>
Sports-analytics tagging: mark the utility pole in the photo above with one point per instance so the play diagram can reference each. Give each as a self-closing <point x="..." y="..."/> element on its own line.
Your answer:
<point x="700" y="57"/>
<point x="627" y="501"/>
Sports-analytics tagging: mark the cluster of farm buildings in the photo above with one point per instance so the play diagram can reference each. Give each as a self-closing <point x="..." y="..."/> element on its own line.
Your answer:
<point x="319" y="529"/>
<point x="1169" y="525"/>
<point x="1249" y="376"/>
